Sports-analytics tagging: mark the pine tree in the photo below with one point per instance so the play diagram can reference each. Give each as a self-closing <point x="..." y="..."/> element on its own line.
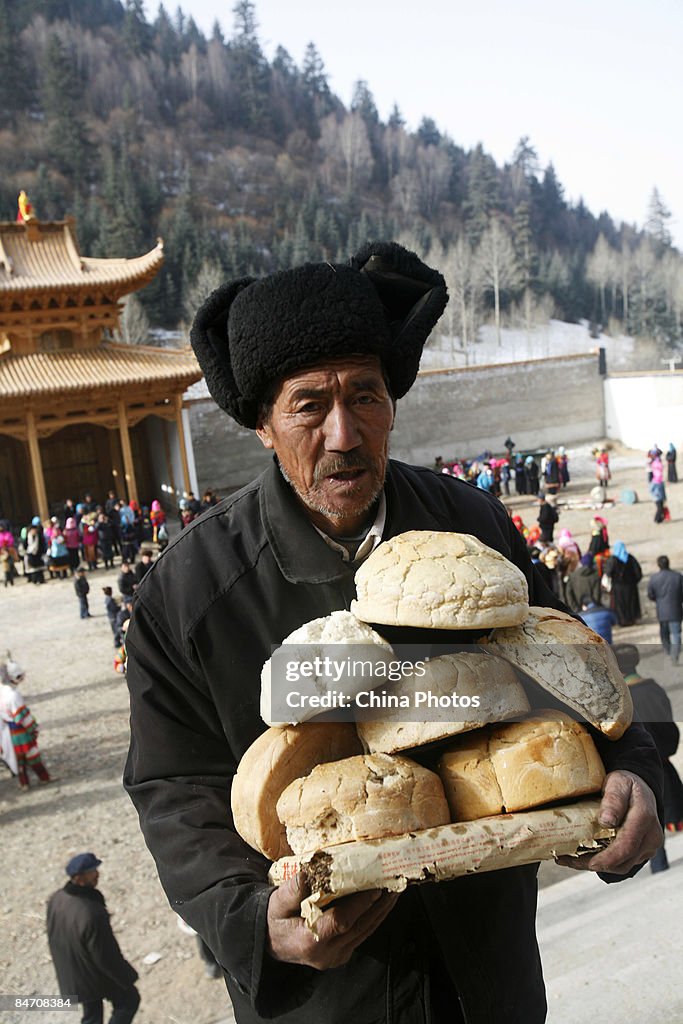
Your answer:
<point x="136" y="33"/>
<point x="551" y="210"/>
<point x="396" y="118"/>
<point x="527" y="257"/>
<point x="14" y="83"/>
<point x="63" y="99"/>
<point x="657" y="222"/>
<point x="166" y="42"/>
<point x="313" y="72"/>
<point x="363" y="103"/>
<point x="251" y="70"/>
<point x="482" y="193"/>
<point x="427" y="132"/>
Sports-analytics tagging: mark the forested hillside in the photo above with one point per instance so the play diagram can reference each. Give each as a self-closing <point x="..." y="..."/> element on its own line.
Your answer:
<point x="243" y="166"/>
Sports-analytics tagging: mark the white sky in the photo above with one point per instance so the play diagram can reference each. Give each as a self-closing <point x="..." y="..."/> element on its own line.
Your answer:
<point x="597" y="85"/>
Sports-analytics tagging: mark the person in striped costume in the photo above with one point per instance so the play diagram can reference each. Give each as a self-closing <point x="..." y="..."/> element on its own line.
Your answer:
<point x="23" y="728"/>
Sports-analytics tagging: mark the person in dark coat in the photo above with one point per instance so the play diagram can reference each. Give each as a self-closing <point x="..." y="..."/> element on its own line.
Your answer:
<point x="625" y="572"/>
<point x="143" y="566"/>
<point x="666" y="589"/>
<point x="520" y="478"/>
<point x="111" y="607"/>
<point x="531" y="477"/>
<point x="599" y="542"/>
<point x="88" y="961"/>
<point x="547" y="517"/>
<point x="82" y="588"/>
<point x="651" y="705"/>
<point x="105" y="540"/>
<point x="308" y="358"/>
<point x="583" y="584"/>
<point x="671" y="474"/>
<point x="122" y="616"/>
<point x="127" y="581"/>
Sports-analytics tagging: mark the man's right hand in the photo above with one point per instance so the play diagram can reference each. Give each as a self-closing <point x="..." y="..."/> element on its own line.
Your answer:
<point x="342" y="927"/>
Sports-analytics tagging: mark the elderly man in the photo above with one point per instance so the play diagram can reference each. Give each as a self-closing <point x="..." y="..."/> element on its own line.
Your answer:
<point x="313" y="360"/>
<point x="87" y="958"/>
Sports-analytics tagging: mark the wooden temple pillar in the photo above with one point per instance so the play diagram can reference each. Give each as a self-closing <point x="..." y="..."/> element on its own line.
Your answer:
<point x="37" y="477"/>
<point x="127" y="452"/>
<point x="178" y="398"/>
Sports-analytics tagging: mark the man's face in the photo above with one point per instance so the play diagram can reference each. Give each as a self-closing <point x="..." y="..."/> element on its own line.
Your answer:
<point x="329" y="427"/>
<point x="87" y="879"/>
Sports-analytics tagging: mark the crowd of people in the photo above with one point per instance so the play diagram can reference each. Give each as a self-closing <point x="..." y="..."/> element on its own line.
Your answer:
<point x="524" y="472"/>
<point x="89" y="534"/>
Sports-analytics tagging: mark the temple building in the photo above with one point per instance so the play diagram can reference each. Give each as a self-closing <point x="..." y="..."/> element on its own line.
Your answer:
<point x="80" y="412"/>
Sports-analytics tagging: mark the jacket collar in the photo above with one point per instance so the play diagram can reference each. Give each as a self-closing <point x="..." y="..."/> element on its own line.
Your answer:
<point x="301" y="553"/>
<point x="84" y="892"/>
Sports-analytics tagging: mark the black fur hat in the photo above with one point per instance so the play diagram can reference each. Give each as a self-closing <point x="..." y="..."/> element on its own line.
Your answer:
<point x="250" y="333"/>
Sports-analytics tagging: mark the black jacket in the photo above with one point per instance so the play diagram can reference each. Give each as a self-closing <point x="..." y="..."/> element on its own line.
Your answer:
<point x="583" y="586"/>
<point x="86" y="955"/>
<point x="234" y="583"/>
<point x="666" y="588"/>
<point x="127" y="582"/>
<point x="81" y="586"/>
<point x="141" y="570"/>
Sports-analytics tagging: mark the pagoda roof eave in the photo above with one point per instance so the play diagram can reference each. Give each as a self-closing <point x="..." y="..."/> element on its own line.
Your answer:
<point x="51" y="262"/>
<point x="24" y="378"/>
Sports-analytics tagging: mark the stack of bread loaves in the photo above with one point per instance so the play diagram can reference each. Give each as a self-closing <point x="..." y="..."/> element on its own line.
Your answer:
<point x="313" y="786"/>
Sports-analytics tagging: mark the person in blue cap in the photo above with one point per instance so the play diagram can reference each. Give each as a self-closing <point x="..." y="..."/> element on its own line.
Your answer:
<point x="88" y="961"/>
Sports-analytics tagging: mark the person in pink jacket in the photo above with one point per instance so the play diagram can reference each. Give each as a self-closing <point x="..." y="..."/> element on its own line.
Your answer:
<point x="72" y="539"/>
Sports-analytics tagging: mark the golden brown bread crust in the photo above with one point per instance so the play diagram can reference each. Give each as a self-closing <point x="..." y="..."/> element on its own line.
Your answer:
<point x="274" y="760"/>
<point x="490" y="679"/>
<point x="440" y="581"/>
<point x="573" y="663"/>
<point x="365" y="797"/>
<point x="520" y="765"/>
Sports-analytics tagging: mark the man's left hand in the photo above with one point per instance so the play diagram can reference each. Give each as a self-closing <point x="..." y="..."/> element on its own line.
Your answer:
<point x="628" y="804"/>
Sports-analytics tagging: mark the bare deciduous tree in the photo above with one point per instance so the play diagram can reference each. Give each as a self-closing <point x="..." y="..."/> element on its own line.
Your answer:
<point x="498" y="264"/>
<point x="346" y="143"/>
<point x="133" y="326"/>
<point x="209" y="277"/>
<point x="460" y="268"/>
<point x="601" y="271"/>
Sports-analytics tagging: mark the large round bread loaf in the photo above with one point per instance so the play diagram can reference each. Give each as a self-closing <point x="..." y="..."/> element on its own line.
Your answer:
<point x="365" y="797"/>
<point x="338" y="636"/>
<point x="274" y="760"/>
<point x="440" y="581"/>
<point x="573" y="663"/>
<point x="520" y="765"/>
<point x="471" y="677"/>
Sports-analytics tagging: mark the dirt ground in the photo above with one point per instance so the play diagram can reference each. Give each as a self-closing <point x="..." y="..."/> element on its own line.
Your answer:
<point x="82" y="707"/>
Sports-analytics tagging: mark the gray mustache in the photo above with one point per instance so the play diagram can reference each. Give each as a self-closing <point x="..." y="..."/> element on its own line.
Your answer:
<point x="341" y="464"/>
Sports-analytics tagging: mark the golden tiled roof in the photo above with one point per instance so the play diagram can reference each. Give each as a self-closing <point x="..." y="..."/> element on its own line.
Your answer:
<point x="109" y="365"/>
<point x="44" y="255"/>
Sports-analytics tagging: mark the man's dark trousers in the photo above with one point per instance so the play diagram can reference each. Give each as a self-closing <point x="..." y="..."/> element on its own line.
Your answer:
<point x="125" y="1003"/>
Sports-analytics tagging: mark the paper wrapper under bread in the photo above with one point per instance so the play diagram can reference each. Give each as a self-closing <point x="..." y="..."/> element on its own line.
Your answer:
<point x="503" y="841"/>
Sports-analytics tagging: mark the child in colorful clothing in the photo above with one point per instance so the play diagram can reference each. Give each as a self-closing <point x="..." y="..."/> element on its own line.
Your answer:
<point x="7" y="569"/>
<point x="157" y="517"/>
<point x="23" y="728"/>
